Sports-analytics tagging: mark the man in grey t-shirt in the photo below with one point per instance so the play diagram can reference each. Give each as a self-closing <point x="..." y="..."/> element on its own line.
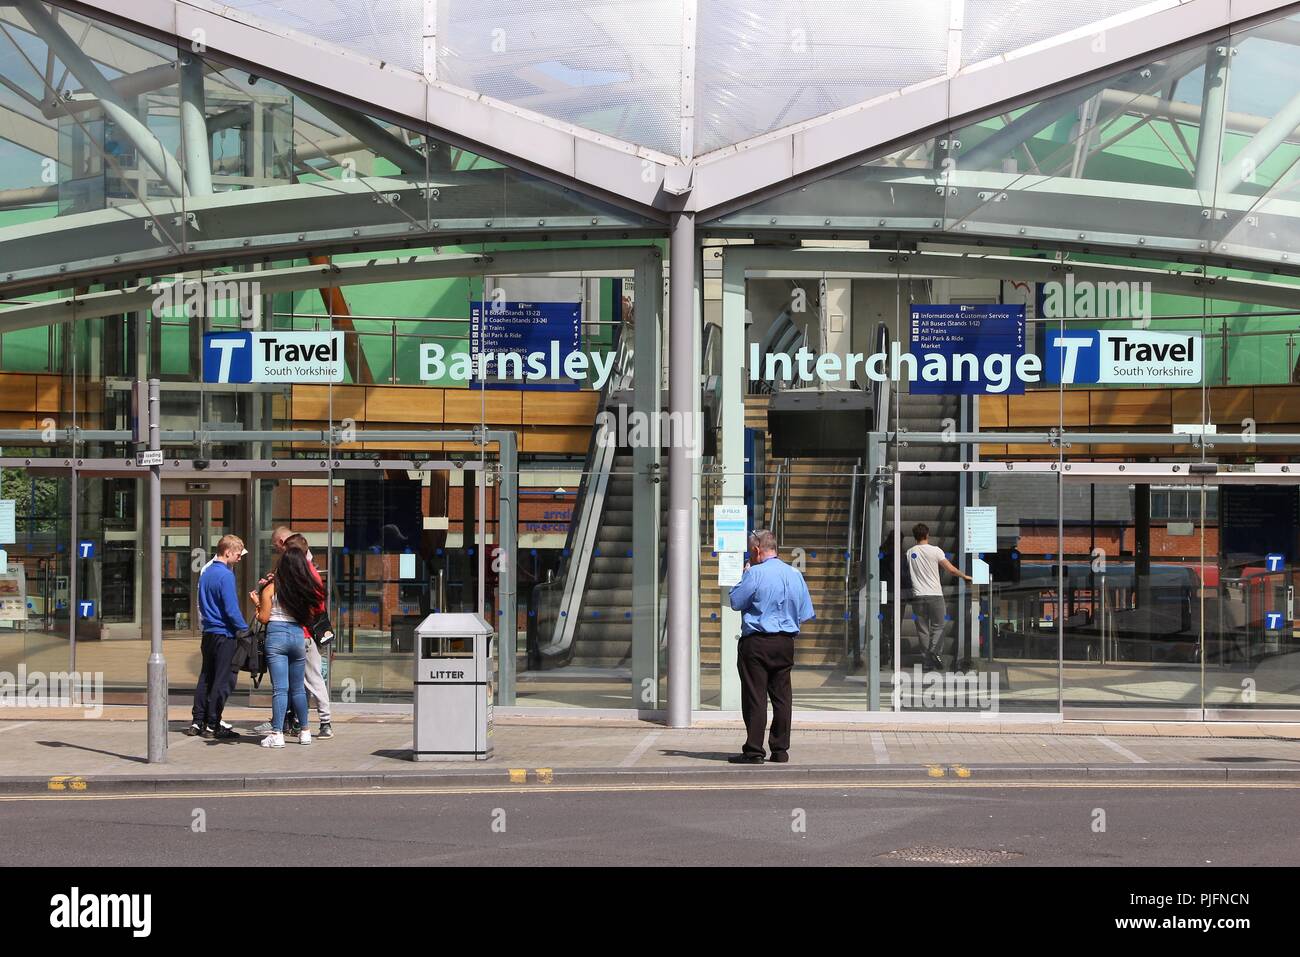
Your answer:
<point x="924" y="561"/>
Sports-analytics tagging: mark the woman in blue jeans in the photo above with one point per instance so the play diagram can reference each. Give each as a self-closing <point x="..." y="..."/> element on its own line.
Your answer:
<point x="289" y="603"/>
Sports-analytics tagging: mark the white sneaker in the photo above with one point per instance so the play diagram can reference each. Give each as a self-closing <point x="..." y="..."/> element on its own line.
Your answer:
<point x="304" y="737"/>
<point x="273" y="740"/>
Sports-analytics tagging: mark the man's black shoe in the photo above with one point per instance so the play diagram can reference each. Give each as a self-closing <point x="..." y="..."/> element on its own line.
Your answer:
<point x="207" y="732"/>
<point x="779" y="757"/>
<point x="194" y="731"/>
<point x="745" y="759"/>
<point x="225" y="734"/>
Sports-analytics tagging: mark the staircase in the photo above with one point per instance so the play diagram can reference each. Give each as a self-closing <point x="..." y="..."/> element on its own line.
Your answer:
<point x="934" y="499"/>
<point x="816" y="519"/>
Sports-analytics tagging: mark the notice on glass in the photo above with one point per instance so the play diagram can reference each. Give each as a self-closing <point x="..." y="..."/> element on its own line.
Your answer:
<point x="979" y="572"/>
<point x="981" y="528"/>
<point x="730" y="528"/>
<point x="8" y="530"/>
<point x="13" y="594"/>
<point x="731" y="567"/>
<point x="406" y="565"/>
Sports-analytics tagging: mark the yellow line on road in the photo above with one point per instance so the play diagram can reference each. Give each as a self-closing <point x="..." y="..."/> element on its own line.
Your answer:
<point x="948" y="784"/>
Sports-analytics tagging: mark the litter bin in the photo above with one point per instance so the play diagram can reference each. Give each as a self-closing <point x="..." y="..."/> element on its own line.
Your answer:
<point x="453" y="688"/>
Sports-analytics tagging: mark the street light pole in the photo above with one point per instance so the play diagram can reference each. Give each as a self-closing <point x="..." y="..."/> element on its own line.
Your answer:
<point x="157" y="680"/>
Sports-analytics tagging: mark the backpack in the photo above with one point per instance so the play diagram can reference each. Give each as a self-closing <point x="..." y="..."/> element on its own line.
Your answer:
<point x="250" y="653"/>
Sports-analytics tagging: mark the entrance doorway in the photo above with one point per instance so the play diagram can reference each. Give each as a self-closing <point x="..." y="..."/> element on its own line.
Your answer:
<point x="195" y="516"/>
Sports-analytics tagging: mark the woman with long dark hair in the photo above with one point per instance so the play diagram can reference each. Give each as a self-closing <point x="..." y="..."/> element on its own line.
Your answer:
<point x="290" y="602"/>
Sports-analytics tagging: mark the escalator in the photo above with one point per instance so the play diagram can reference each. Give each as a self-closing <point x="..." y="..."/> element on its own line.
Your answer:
<point x="583" y="617"/>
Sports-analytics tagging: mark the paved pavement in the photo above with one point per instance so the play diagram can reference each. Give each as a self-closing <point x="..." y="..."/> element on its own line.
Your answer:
<point x="46" y="750"/>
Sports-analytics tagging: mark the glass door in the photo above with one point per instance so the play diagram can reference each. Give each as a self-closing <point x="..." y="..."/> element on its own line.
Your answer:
<point x="192" y="523"/>
<point x="1252" y="656"/>
<point x="1136" y="588"/>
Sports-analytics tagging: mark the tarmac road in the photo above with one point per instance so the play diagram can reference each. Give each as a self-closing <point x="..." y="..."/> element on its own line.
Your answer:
<point x="962" y="823"/>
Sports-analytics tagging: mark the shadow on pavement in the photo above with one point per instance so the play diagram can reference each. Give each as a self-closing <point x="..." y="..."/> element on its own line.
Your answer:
<point x="700" y="755"/>
<point x="81" y="747"/>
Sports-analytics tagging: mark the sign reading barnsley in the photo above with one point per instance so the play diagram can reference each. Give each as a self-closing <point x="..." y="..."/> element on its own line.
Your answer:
<point x="273" y="357"/>
<point x="1122" y="356"/>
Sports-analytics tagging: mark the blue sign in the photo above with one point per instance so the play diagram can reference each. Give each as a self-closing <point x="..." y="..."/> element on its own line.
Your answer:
<point x="1091" y="357"/>
<point x="273" y="357"/>
<point x="980" y="343"/>
<point x="1274" y="562"/>
<point x="87" y="609"/>
<point x="85" y="549"/>
<point x="524" y="328"/>
<point x="228" y="357"/>
<point x="1273" y="620"/>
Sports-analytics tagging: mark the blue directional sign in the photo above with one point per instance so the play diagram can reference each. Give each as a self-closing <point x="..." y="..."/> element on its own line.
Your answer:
<point x="1273" y="620"/>
<point x="86" y="609"/>
<point x="525" y="328"/>
<point x="85" y="549"/>
<point x="980" y="344"/>
<point x="1274" y="562"/>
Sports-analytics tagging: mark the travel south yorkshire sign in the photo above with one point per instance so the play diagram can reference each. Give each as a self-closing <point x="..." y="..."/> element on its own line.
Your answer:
<point x="1110" y="357"/>
<point x="273" y="357"/>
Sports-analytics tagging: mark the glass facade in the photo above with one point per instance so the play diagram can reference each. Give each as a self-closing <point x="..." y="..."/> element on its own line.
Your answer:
<point x="1134" y="543"/>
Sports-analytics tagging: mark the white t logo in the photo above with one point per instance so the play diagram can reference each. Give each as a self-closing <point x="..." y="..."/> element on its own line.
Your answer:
<point x="1071" y="345"/>
<point x="227" y="348"/>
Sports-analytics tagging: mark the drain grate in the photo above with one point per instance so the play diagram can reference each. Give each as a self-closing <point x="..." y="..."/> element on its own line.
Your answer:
<point x="933" y="854"/>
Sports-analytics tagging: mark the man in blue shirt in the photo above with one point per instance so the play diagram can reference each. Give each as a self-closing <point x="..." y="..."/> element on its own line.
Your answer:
<point x="221" y="621"/>
<point x="774" y="601"/>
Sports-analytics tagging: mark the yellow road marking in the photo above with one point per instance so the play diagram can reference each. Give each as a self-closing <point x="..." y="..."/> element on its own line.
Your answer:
<point x="935" y="770"/>
<point x="545" y="776"/>
<point x="518" y="775"/>
<point x="948" y="783"/>
<point x="960" y="771"/>
<point x="67" y="782"/>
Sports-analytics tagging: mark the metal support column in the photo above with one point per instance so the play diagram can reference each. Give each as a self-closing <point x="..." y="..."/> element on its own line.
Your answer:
<point x="508" y="578"/>
<point x="195" y="143"/>
<point x="646" y="478"/>
<point x="73" y="560"/>
<point x="683" y="385"/>
<point x="731" y="448"/>
<point x="1264" y="143"/>
<point x="698" y="428"/>
<point x="157" y="671"/>
<point x="373" y="136"/>
<point x="1213" y="97"/>
<point x="874" y="520"/>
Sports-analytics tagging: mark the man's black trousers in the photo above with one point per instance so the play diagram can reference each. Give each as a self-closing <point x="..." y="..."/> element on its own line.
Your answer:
<point x="764" y="662"/>
<point x="216" y="678"/>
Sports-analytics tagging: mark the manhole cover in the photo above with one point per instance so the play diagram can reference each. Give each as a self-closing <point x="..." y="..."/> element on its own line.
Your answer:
<point x="930" y="854"/>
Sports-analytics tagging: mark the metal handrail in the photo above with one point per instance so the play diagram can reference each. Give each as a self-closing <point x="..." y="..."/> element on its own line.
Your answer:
<point x="849" y="560"/>
<point x="780" y="495"/>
